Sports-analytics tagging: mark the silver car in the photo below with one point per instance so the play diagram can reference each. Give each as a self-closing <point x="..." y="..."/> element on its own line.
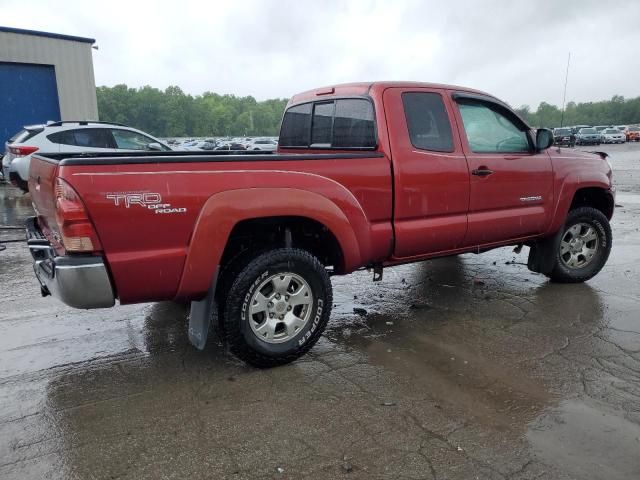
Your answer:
<point x="70" y="137"/>
<point x="613" y="135"/>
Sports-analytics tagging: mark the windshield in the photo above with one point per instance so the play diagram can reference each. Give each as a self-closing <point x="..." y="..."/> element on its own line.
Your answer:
<point x="587" y="130"/>
<point x="563" y="131"/>
<point x="611" y="130"/>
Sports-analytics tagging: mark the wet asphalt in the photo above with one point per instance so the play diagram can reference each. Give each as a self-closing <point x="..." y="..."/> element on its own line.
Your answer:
<point x="468" y="367"/>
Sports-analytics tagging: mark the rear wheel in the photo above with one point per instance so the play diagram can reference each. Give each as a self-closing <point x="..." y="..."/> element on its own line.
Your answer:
<point x="277" y="307"/>
<point x="584" y="246"/>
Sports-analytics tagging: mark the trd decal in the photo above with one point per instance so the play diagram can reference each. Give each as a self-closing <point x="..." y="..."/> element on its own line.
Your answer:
<point x="148" y="200"/>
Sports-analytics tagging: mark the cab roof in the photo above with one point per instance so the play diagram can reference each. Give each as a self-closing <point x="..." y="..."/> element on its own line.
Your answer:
<point x="372" y="89"/>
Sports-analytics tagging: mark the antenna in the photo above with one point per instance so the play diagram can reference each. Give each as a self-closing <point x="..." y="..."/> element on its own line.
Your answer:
<point x="564" y="96"/>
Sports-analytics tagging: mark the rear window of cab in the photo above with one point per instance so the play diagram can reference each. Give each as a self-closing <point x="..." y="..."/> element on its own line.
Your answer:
<point x="344" y="123"/>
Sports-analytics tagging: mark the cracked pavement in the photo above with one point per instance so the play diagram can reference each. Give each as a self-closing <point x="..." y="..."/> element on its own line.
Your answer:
<point x="468" y="367"/>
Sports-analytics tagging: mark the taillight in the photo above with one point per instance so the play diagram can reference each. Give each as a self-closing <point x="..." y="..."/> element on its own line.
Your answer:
<point x="76" y="230"/>
<point x="22" y="151"/>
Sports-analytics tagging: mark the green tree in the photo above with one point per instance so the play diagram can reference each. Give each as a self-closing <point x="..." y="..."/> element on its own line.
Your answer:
<point x="617" y="111"/>
<point x="172" y="113"/>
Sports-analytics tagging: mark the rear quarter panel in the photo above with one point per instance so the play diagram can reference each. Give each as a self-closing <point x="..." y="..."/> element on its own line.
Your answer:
<point x="149" y="253"/>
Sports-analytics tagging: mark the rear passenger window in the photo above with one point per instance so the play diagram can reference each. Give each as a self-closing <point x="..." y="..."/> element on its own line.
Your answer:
<point x="84" y="137"/>
<point x="427" y="121"/>
<point x="93" y="138"/>
<point x="347" y="123"/>
<point x="322" y="126"/>
<point x="296" y="125"/>
<point x="63" y="138"/>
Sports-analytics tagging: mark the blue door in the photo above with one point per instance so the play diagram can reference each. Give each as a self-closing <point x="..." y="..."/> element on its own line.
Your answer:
<point x="28" y="95"/>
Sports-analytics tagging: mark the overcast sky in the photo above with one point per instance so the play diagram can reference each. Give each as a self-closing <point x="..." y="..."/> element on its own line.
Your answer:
<point x="516" y="50"/>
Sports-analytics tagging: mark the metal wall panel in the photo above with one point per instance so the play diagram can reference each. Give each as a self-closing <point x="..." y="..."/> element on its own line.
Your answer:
<point x="73" y="64"/>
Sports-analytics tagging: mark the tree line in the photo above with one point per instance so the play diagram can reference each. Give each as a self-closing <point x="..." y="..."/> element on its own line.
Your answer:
<point x="173" y="113"/>
<point x="617" y="111"/>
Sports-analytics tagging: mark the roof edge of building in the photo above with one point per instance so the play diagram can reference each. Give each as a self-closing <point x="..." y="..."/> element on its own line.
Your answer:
<point x="37" y="33"/>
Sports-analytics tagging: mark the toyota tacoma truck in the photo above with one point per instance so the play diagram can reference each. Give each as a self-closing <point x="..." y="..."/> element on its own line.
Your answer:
<point x="365" y="176"/>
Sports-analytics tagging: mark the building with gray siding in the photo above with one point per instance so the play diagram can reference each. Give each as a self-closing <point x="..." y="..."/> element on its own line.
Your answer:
<point x="44" y="76"/>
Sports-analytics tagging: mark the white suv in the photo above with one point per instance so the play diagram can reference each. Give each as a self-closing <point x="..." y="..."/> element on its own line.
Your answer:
<point x="70" y="137"/>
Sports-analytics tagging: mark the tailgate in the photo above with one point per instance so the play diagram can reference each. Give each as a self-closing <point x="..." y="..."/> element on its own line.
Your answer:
<point x="42" y="181"/>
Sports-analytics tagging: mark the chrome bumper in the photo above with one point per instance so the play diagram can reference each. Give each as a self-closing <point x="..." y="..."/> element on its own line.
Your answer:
<point x="80" y="282"/>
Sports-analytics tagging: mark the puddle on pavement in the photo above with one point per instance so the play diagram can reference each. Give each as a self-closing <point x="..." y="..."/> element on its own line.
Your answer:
<point x="627" y="198"/>
<point x="587" y="442"/>
<point x="15" y="206"/>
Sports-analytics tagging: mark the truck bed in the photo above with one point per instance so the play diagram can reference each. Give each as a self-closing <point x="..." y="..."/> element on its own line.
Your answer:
<point x="148" y="208"/>
<point x="146" y="157"/>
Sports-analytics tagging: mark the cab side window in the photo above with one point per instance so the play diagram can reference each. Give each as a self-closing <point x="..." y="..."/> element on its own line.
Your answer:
<point x="427" y="121"/>
<point x="489" y="130"/>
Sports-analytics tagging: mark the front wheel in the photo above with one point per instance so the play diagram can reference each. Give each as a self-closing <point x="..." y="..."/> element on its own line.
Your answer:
<point x="277" y="307"/>
<point x="584" y="246"/>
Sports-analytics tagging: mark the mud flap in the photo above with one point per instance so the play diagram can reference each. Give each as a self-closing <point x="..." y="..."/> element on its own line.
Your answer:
<point x="542" y="255"/>
<point x="200" y="316"/>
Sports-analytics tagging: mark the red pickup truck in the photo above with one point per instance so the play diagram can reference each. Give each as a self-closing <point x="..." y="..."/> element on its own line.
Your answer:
<point x="365" y="176"/>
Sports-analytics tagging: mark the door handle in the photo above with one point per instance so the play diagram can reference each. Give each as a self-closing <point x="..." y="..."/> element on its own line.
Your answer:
<point x="481" y="172"/>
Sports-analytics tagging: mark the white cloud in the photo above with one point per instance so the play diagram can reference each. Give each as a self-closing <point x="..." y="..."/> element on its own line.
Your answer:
<point x="514" y="50"/>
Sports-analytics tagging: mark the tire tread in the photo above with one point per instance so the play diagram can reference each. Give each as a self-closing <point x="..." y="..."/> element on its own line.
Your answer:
<point x="250" y="267"/>
<point x="560" y="274"/>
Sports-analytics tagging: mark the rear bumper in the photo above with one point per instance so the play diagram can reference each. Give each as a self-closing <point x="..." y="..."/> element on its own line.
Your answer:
<point x="80" y="282"/>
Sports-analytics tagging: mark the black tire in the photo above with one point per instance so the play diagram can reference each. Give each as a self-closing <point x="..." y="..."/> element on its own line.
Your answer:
<point x="561" y="272"/>
<point x="237" y="332"/>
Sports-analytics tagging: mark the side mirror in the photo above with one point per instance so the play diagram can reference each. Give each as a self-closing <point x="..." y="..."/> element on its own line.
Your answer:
<point x="155" y="146"/>
<point x="544" y="139"/>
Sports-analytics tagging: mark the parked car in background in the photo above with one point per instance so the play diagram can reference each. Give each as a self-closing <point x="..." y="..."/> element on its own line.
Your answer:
<point x="564" y="137"/>
<point x="612" y="135"/>
<point x="576" y="128"/>
<point x="588" y="136"/>
<point x="263" y="144"/>
<point x="231" y="146"/>
<point x="197" y="146"/>
<point x="599" y="128"/>
<point x="633" y="134"/>
<point x="70" y="136"/>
